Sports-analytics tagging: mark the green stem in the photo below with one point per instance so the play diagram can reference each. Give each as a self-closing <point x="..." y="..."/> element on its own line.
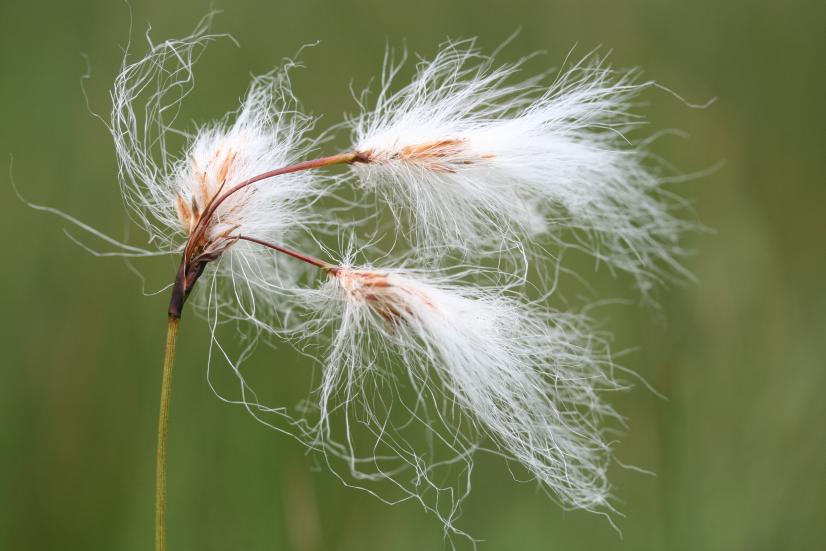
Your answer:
<point x="163" y="420"/>
<point x="190" y="270"/>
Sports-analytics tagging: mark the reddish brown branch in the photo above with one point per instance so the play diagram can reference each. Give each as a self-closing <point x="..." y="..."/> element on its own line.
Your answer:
<point x="290" y="252"/>
<point x="341" y="158"/>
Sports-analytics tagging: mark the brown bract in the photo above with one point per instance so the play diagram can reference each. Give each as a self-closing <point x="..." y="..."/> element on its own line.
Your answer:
<point x="209" y="231"/>
<point x="206" y="184"/>
<point x="444" y="155"/>
<point x="390" y="300"/>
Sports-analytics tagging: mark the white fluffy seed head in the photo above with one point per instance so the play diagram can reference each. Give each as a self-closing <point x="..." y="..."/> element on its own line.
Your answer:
<point x="474" y="159"/>
<point x="261" y="137"/>
<point x="483" y="365"/>
<point x="169" y="194"/>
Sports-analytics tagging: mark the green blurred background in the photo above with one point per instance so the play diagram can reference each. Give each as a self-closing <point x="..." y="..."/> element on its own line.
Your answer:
<point x="739" y="447"/>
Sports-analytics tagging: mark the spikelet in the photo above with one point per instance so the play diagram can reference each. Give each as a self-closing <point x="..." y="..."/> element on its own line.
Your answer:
<point x="474" y="160"/>
<point x="168" y="195"/>
<point x="485" y="366"/>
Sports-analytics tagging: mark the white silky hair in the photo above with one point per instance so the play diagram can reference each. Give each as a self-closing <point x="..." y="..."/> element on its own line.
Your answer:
<point x="268" y="131"/>
<point x="527" y="159"/>
<point x="482" y="369"/>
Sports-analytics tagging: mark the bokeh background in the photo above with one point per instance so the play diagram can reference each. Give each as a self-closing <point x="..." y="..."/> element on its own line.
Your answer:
<point x="739" y="447"/>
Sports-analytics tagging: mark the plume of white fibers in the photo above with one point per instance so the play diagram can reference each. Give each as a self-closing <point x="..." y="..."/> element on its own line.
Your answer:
<point x="475" y="159"/>
<point x="264" y="135"/>
<point x="476" y="364"/>
<point x="168" y="194"/>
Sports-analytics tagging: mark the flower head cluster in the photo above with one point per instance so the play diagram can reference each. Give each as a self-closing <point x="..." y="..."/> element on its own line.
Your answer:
<point x="421" y="366"/>
<point x="521" y="376"/>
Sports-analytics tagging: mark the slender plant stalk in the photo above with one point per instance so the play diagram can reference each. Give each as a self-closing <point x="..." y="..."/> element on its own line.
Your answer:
<point x="291" y="252"/>
<point x="163" y="419"/>
<point x="338" y="159"/>
<point x="191" y="268"/>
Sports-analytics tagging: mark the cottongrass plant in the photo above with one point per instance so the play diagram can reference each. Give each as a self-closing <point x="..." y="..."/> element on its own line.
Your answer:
<point x="430" y="358"/>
